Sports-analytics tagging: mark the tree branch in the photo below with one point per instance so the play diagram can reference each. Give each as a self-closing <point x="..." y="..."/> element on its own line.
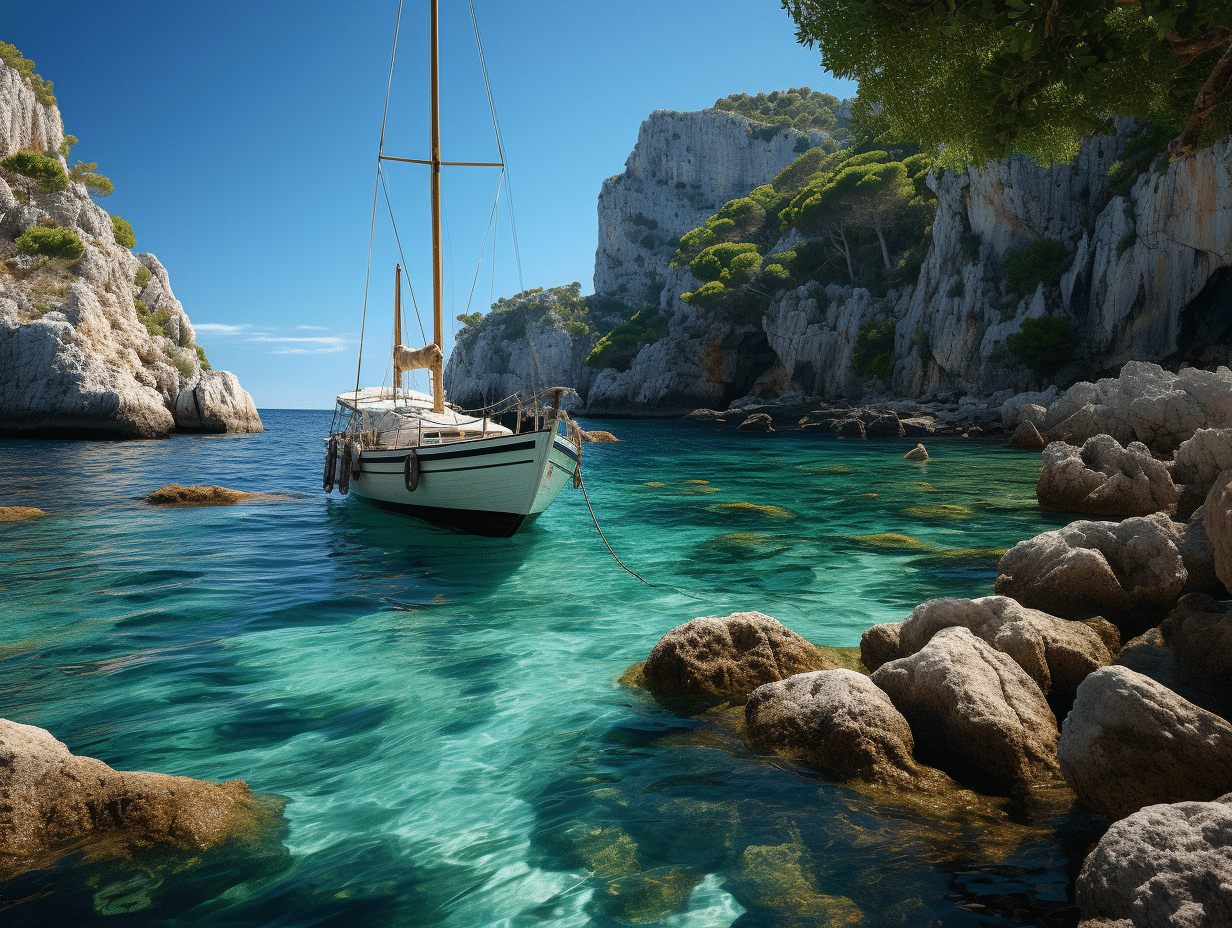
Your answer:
<point x="1209" y="97"/>
<point x="1186" y="50"/>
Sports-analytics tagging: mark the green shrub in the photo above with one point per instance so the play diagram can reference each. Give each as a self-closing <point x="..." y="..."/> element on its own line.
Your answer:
<point x="143" y="277"/>
<point x="1044" y="345"/>
<point x="183" y="365"/>
<point x="55" y="243"/>
<point x="205" y="364"/>
<point x="1043" y="261"/>
<point x="777" y="276"/>
<point x="88" y="175"/>
<point x="48" y="171"/>
<point x="123" y="232"/>
<point x="874" y="352"/>
<point x="67" y="145"/>
<point x="620" y="346"/>
<point x="706" y="296"/>
<point x="10" y="55"/>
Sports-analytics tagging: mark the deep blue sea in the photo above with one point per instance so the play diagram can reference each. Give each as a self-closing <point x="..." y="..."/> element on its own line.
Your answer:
<point x="442" y="714"/>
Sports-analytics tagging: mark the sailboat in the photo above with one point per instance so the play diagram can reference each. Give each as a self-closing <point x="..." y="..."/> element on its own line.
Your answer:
<point x="416" y="454"/>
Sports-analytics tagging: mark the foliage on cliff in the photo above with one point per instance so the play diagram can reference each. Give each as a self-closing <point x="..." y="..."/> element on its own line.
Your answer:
<point x="983" y="81"/>
<point x="46" y="171"/>
<point x="799" y="108"/>
<point x="620" y="346"/>
<point x="11" y="56"/>
<point x="864" y="213"/>
<point x="582" y="317"/>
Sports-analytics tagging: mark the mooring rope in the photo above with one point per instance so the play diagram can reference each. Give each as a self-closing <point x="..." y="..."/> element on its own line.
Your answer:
<point x="657" y="586"/>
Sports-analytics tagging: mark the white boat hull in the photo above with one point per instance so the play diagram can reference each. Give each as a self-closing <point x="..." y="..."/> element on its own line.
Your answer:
<point x="484" y="486"/>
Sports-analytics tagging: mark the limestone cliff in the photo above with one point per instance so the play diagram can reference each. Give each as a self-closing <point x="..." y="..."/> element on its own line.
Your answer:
<point x="684" y="167"/>
<point x="92" y="341"/>
<point x="1149" y="278"/>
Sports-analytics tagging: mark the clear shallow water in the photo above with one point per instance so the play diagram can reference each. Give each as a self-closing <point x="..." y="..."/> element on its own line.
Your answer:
<point x="442" y="712"/>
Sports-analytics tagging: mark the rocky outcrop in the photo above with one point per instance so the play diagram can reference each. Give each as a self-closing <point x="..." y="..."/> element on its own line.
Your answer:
<point x="87" y="350"/>
<point x="975" y="710"/>
<point x="1056" y="653"/>
<point x="1102" y="478"/>
<point x="1165" y="865"/>
<point x="837" y="721"/>
<point x="713" y="658"/>
<point x="1199" y="633"/>
<point x="1130" y="742"/>
<point x="24" y="121"/>
<point x="1128" y="572"/>
<point x="53" y="800"/>
<point x="1143" y="403"/>
<point x="682" y="170"/>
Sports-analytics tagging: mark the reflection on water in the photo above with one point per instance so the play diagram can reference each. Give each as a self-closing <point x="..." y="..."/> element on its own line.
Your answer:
<point x="441" y="711"/>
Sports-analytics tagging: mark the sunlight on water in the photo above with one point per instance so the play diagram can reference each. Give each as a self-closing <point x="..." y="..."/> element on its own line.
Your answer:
<point x="442" y="711"/>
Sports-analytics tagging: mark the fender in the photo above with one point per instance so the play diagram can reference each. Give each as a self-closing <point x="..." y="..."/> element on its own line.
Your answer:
<point x="410" y="471"/>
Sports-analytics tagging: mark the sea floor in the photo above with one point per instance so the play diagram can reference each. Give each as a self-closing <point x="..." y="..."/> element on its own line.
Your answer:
<point x="441" y="714"/>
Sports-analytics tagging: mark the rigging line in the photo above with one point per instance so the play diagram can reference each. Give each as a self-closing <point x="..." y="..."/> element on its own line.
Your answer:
<point x="478" y="267"/>
<point x="500" y="145"/>
<point x="390" y="83"/>
<point x="394" y="223"/>
<point x="377" y="184"/>
<point x="657" y="586"/>
<point x="376" y="193"/>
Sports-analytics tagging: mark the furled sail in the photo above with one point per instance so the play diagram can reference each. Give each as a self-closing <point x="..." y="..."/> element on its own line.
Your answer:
<point x="429" y="357"/>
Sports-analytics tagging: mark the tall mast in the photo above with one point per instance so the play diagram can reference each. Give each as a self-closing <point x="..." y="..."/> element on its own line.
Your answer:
<point x="438" y="268"/>
<point x="397" y="326"/>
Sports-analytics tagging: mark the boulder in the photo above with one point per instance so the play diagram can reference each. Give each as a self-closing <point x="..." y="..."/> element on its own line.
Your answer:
<point x="974" y="709"/>
<point x="880" y="644"/>
<point x="1199" y="632"/>
<point x="1217" y="520"/>
<point x="918" y="453"/>
<point x="835" y="720"/>
<point x="1127" y="572"/>
<point x="1130" y="742"/>
<point x="1027" y="436"/>
<point x="713" y="658"/>
<point x="175" y="494"/>
<point x="216" y="403"/>
<point x="758" y="422"/>
<point x="1102" y="478"/>
<point x="597" y="435"/>
<point x="1164" y="865"/>
<point x="1056" y="653"/>
<point x="1201" y="459"/>
<point x="54" y="800"/>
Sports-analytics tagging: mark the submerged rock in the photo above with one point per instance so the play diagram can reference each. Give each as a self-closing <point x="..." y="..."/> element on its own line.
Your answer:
<point x="54" y="800"/>
<point x="1102" y="478"/>
<point x="837" y="721"/>
<point x="175" y="494"/>
<point x="19" y="513"/>
<point x="1130" y="742"/>
<point x="598" y="435"/>
<point x="1165" y="865"/>
<point x="758" y="422"/>
<point x="975" y="709"/>
<point x="728" y="658"/>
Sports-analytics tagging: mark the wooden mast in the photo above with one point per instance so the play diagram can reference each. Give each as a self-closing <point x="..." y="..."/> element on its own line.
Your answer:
<point x="438" y="267"/>
<point x="397" y="326"/>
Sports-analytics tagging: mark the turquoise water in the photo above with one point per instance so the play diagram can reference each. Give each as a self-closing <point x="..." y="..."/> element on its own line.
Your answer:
<point x="442" y="713"/>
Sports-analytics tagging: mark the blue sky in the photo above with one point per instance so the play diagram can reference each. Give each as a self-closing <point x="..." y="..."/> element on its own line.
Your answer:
<point x="242" y="142"/>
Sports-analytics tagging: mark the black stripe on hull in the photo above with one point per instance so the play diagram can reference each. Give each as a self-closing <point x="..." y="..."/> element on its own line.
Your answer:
<point x="470" y="521"/>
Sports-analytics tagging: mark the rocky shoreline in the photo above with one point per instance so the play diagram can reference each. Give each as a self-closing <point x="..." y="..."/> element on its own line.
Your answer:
<point x="1101" y="671"/>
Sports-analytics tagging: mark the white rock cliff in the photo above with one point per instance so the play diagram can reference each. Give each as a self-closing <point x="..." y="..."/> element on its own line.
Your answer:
<point x="75" y="358"/>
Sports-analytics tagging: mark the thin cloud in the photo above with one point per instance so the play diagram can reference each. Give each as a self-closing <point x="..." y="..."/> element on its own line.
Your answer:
<point x="217" y="328"/>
